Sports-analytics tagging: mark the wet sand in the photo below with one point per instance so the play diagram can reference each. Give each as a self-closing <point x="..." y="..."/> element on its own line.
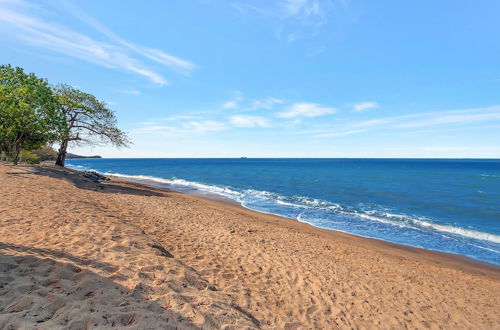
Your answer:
<point x="78" y="254"/>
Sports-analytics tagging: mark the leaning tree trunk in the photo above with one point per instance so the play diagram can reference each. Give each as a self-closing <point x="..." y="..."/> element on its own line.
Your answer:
<point x="17" y="152"/>
<point x="61" y="154"/>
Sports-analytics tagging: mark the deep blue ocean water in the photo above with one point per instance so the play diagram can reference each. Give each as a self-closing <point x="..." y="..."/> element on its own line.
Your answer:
<point x="449" y="205"/>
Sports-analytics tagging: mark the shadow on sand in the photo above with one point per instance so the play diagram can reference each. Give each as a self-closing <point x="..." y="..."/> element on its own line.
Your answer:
<point x="81" y="182"/>
<point x="37" y="291"/>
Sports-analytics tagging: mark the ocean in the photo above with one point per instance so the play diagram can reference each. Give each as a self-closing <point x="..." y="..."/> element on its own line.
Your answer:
<point x="448" y="205"/>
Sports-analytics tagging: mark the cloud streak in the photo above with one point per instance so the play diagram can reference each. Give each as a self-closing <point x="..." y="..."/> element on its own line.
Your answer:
<point x="178" y="125"/>
<point x="306" y="110"/>
<point x="448" y="119"/>
<point x="156" y="55"/>
<point x="454" y="117"/>
<point x="249" y="121"/>
<point x="267" y="103"/>
<point x="239" y="102"/>
<point x="364" y="106"/>
<point x="336" y="134"/>
<point x="295" y="19"/>
<point x="186" y="128"/>
<point x="307" y="11"/>
<point x="57" y="38"/>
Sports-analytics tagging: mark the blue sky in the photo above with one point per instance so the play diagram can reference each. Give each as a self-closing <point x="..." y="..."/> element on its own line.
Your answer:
<point x="284" y="78"/>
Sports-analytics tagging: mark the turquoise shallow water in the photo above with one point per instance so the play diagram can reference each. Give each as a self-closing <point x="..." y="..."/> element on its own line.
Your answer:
<point x="448" y="205"/>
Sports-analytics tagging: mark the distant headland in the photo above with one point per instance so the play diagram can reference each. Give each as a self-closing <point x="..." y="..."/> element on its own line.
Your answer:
<point x="74" y="156"/>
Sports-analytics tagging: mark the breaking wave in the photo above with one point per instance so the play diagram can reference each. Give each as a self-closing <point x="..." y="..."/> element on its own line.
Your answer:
<point x="251" y="198"/>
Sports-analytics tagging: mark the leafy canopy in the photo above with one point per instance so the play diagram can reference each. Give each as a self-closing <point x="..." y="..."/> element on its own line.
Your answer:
<point x="88" y="120"/>
<point x="29" y="114"/>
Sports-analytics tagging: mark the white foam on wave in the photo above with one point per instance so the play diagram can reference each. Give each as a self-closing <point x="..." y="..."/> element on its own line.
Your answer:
<point x="398" y="220"/>
<point x="206" y="187"/>
<point x="460" y="231"/>
<point x="180" y="182"/>
<point x="317" y="204"/>
<point x="322" y="205"/>
<point x="75" y="166"/>
<point x="289" y="204"/>
<point x="140" y="177"/>
<point x="263" y="194"/>
<point x="380" y="219"/>
<point x="80" y="168"/>
<point x="293" y="201"/>
<point x="484" y="248"/>
<point x="491" y="175"/>
<point x="402" y="220"/>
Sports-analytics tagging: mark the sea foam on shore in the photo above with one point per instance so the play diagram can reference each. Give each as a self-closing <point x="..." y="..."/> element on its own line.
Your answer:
<point x="367" y="219"/>
<point x="76" y="253"/>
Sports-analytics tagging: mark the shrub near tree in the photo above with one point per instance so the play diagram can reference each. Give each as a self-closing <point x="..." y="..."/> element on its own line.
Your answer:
<point x="88" y="121"/>
<point x="29" y="113"/>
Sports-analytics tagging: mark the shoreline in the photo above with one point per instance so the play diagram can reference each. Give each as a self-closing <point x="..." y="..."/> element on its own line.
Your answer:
<point x="438" y="256"/>
<point x="118" y="253"/>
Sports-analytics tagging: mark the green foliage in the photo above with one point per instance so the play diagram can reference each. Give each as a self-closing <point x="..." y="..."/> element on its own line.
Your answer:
<point x="29" y="113"/>
<point x="33" y="115"/>
<point x="46" y="153"/>
<point x="29" y="157"/>
<point x="88" y="121"/>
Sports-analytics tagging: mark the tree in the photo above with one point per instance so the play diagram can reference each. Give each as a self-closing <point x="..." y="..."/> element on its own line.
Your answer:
<point x="29" y="114"/>
<point x="88" y="121"/>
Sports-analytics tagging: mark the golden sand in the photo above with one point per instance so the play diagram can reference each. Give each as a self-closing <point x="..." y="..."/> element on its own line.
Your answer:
<point x="75" y="254"/>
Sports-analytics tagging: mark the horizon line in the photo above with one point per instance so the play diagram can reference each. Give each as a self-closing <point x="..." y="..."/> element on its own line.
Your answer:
<point x="246" y="157"/>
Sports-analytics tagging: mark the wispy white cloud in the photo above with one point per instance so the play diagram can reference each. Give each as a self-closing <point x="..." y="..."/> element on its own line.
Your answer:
<point x="180" y="117"/>
<point x="265" y="103"/>
<point x="443" y="148"/>
<point x="205" y="126"/>
<point x="303" y="18"/>
<point x="308" y="11"/>
<point x="239" y="102"/>
<point x="448" y="119"/>
<point x="293" y="7"/>
<point x="453" y="117"/>
<point x="184" y="128"/>
<point x="431" y="151"/>
<point x="133" y="92"/>
<point x="230" y="104"/>
<point x="336" y="134"/>
<point x="21" y="3"/>
<point x="178" y="125"/>
<point x="244" y="8"/>
<point x="295" y="19"/>
<point x="149" y="127"/>
<point x="363" y="106"/>
<point x="249" y="121"/>
<point x="306" y="110"/>
<point x="234" y="102"/>
<point x="371" y="123"/>
<point x="156" y="55"/>
<point x="36" y="32"/>
<point x="147" y="123"/>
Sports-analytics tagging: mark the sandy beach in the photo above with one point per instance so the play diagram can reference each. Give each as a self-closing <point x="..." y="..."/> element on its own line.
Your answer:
<point x="76" y="254"/>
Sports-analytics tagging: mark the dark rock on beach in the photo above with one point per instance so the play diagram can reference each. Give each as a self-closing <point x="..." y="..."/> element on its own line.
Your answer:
<point x="95" y="176"/>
